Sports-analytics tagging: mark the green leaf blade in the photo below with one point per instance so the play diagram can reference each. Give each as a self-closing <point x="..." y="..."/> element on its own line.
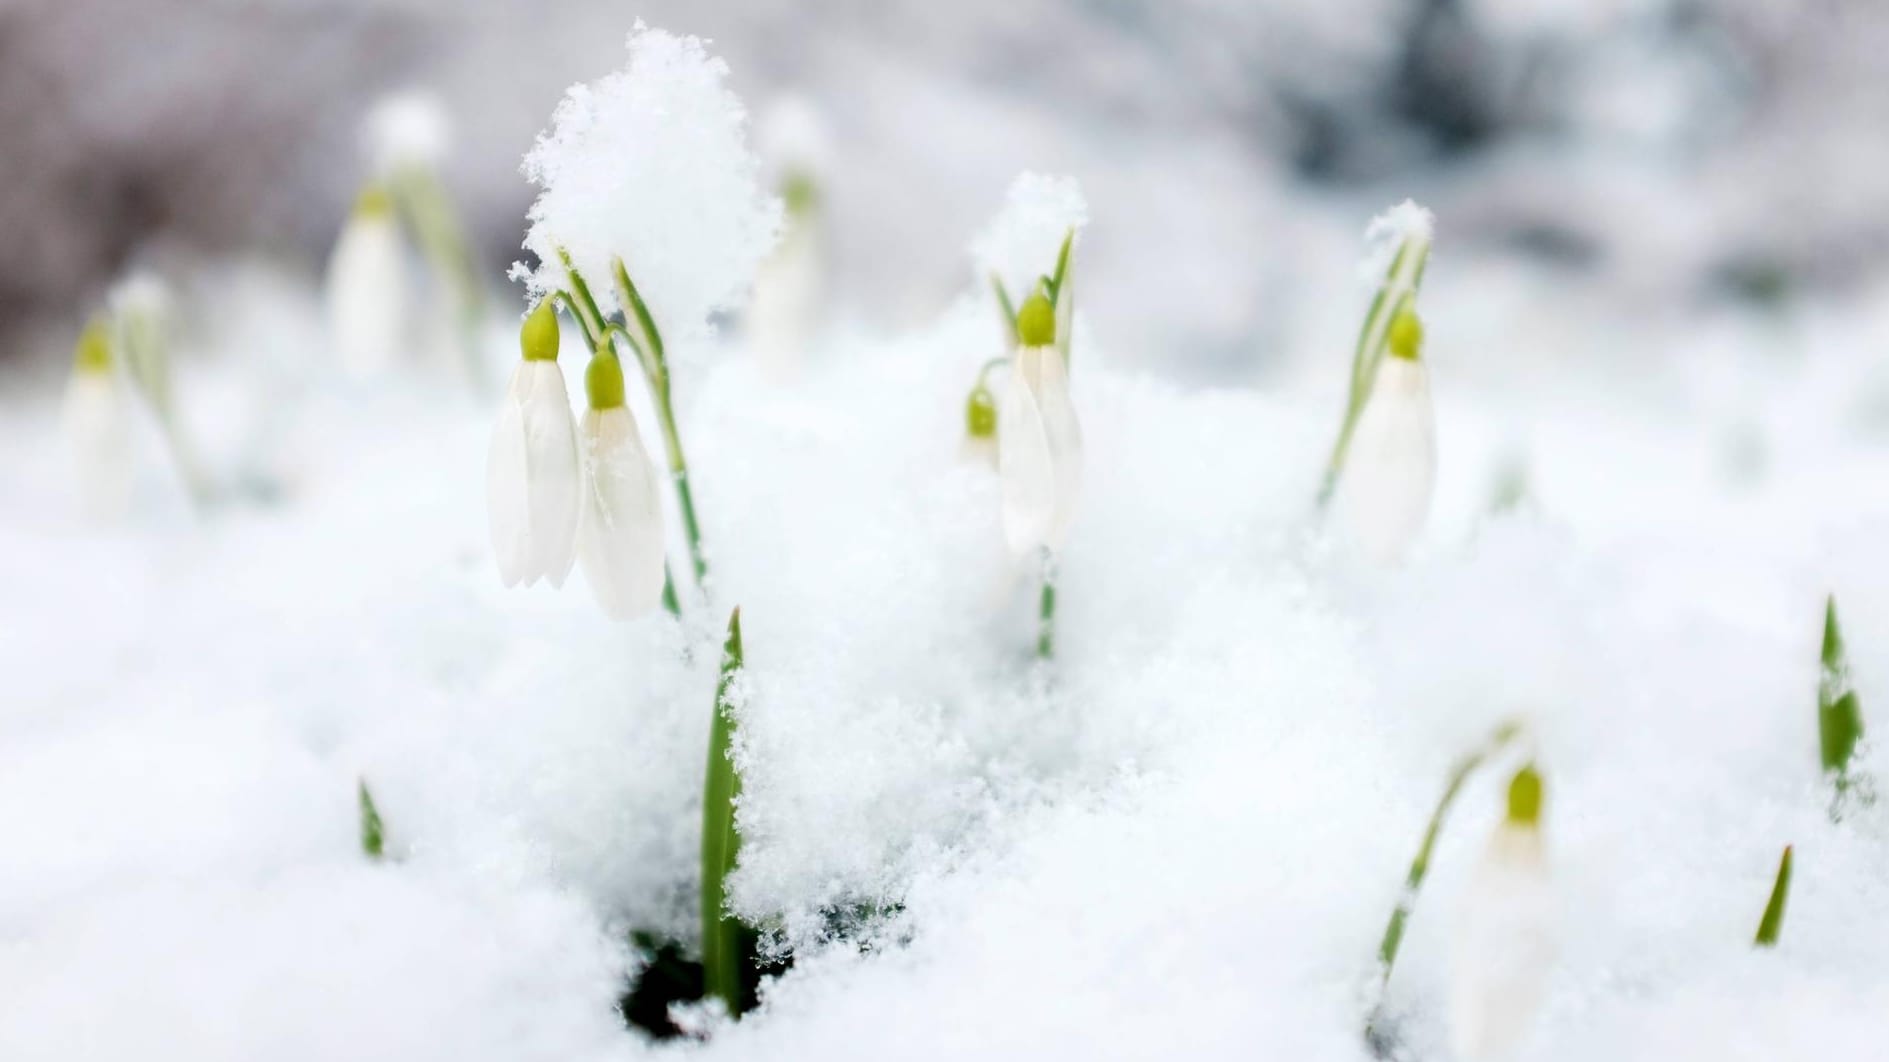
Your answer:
<point x="1772" y="924"/>
<point x="724" y="940"/>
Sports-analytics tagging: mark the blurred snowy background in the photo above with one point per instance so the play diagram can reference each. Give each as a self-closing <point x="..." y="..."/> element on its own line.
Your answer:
<point x="1658" y="313"/>
<point x="1664" y="151"/>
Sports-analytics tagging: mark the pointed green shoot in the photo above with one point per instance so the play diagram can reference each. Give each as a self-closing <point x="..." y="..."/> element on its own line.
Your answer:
<point x="1839" y="714"/>
<point x="725" y="955"/>
<point x="1064" y="296"/>
<point x="1773" y="921"/>
<point x="373" y="834"/>
<point x="1005" y="309"/>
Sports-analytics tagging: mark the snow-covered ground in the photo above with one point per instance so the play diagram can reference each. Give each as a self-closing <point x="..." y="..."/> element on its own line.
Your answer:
<point x="1181" y="838"/>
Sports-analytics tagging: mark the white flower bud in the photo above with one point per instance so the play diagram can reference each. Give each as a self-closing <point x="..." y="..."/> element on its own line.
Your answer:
<point x="531" y="477"/>
<point x="367" y="288"/>
<point x="789" y="288"/>
<point x="1504" y="946"/>
<point x="620" y="535"/>
<point x="98" y="431"/>
<point x="1385" y="492"/>
<point x="1039" y="441"/>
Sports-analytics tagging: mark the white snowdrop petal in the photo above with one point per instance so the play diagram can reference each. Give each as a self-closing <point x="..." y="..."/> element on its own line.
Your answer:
<point x="1025" y="468"/>
<point x="552" y="474"/>
<point x="1503" y="948"/>
<point x="784" y="313"/>
<point x="1390" y="472"/>
<point x="366" y="294"/>
<point x="620" y="535"/>
<point x="1064" y="434"/>
<point x="98" y="432"/>
<point x="506" y="498"/>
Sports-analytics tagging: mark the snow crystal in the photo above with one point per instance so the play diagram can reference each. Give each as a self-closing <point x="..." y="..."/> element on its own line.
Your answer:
<point x="651" y="164"/>
<point x="1021" y="243"/>
<point x="1390" y="230"/>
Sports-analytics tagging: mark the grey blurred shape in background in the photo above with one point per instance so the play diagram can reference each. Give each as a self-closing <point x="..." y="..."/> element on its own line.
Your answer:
<point x="1665" y="150"/>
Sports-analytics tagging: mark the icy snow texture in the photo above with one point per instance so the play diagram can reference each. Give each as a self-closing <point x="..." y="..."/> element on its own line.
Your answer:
<point x="1389" y="231"/>
<point x="1184" y="844"/>
<point x="1021" y="243"/>
<point x="651" y="164"/>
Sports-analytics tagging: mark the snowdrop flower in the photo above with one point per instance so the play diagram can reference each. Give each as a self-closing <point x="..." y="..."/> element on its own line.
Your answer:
<point x="367" y="286"/>
<point x="1385" y="493"/>
<point x="620" y="534"/>
<point x="790" y="286"/>
<point x="980" y="427"/>
<point x="97" y="428"/>
<point x="1039" y="442"/>
<point x="1504" y="945"/>
<point x="531" y="474"/>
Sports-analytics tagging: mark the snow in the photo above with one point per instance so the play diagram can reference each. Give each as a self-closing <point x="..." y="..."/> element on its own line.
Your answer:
<point x="1022" y="242"/>
<point x="1181" y="838"/>
<point x="651" y="164"/>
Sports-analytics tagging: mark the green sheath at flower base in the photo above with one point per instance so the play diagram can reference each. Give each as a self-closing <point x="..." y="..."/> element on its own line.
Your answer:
<point x="1525" y="798"/>
<point x="1772" y="923"/>
<point x="373" y="834"/>
<point x="801" y="194"/>
<point x="1406" y="335"/>
<point x="727" y="944"/>
<point x="1839" y="714"/>
<point x="603" y="381"/>
<point x="373" y="202"/>
<point x="94" y="352"/>
<point x="1036" y="322"/>
<point x="980" y="414"/>
<point x="538" y="336"/>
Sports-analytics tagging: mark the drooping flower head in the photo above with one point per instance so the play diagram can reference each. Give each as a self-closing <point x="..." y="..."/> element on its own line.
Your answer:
<point x="532" y="469"/>
<point x="651" y="164"/>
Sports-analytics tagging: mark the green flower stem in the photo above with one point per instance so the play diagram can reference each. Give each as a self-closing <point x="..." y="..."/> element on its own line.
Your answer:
<point x="1397" y="292"/>
<point x="1046" y="611"/>
<point x="1772" y="923"/>
<point x="656" y="371"/>
<point x="726" y="945"/>
<point x="423" y="200"/>
<point x="1420" y="866"/>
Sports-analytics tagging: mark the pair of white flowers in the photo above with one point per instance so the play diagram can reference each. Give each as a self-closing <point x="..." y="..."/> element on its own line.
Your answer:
<point x="1039" y="440"/>
<point x="560" y="491"/>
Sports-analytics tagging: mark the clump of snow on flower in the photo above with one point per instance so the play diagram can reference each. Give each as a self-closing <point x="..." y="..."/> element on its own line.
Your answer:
<point x="1390" y="230"/>
<point x="651" y="164"/>
<point x="1021" y="243"/>
<point x="408" y="128"/>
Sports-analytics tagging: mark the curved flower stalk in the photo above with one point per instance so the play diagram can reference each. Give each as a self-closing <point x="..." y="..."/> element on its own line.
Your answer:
<point x="367" y="287"/>
<point x="532" y="472"/>
<point x="141" y="311"/>
<point x="1386" y="492"/>
<point x="97" y="427"/>
<point x="620" y="532"/>
<point x="1377" y="1031"/>
<point x="1504" y="937"/>
<point x="1411" y="229"/>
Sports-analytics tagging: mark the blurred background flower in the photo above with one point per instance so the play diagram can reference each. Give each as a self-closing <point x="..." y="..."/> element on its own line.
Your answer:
<point x="1661" y="151"/>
